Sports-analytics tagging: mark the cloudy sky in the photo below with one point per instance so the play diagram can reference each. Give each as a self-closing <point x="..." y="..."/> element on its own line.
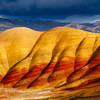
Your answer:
<point x="64" y="9"/>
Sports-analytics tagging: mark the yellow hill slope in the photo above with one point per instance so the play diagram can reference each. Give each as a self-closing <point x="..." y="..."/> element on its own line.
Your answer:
<point x="62" y="58"/>
<point x="15" y="45"/>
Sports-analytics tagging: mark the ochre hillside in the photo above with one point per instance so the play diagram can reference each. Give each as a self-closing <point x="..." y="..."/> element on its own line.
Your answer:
<point x="61" y="58"/>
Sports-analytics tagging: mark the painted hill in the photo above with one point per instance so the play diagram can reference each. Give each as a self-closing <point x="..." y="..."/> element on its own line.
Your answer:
<point x="58" y="61"/>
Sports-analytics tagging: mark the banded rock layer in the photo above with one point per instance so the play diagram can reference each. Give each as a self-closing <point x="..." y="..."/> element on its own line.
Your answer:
<point x="61" y="58"/>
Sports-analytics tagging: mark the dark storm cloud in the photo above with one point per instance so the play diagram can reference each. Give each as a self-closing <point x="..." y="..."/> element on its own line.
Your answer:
<point x="49" y="7"/>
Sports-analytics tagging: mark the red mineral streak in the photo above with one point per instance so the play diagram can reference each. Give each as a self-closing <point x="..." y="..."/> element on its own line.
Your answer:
<point x="79" y="63"/>
<point x="14" y="76"/>
<point x="1" y="77"/>
<point x="50" y="68"/>
<point x="64" y="65"/>
<point x="62" y="70"/>
<point x="33" y="74"/>
<point x="79" y="73"/>
<point x="41" y="80"/>
<point x="95" y="61"/>
<point x="93" y="83"/>
<point x="35" y="70"/>
<point x="79" y="86"/>
<point x="91" y="77"/>
<point x="85" y="84"/>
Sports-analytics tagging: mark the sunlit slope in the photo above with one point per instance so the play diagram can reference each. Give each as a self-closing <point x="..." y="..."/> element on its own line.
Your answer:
<point x="15" y="45"/>
<point x="62" y="57"/>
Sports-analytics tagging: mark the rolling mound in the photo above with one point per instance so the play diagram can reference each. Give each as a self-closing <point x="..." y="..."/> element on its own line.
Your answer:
<point x="64" y="61"/>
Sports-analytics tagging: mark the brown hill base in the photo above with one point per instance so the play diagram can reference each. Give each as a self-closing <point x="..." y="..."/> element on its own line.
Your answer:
<point x="62" y="63"/>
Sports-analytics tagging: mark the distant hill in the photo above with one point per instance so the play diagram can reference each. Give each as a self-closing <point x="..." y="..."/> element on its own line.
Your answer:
<point x="43" y="25"/>
<point x="40" y="25"/>
<point x="91" y="27"/>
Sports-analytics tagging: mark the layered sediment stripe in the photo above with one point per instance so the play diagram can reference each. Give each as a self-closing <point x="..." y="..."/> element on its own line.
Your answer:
<point x="16" y="73"/>
<point x="32" y="75"/>
<point x="43" y="54"/>
<point x="94" y="61"/>
<point x="89" y="78"/>
<point x="78" y="74"/>
<point x="15" y="45"/>
<point x="61" y="72"/>
<point x="94" y="83"/>
<point x="85" y="51"/>
<point x="13" y="77"/>
<point x="42" y="81"/>
<point x="65" y="65"/>
<point x="80" y="62"/>
<point x="21" y="68"/>
<point x="41" y="57"/>
<point x="1" y="77"/>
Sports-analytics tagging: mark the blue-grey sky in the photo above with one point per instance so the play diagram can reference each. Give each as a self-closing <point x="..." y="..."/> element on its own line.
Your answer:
<point x="50" y="7"/>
